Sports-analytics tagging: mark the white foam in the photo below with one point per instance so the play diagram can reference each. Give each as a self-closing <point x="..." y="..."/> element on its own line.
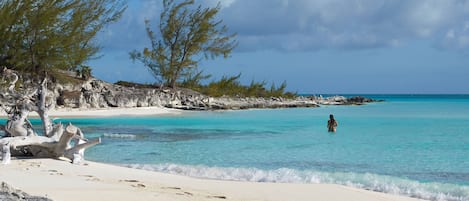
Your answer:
<point x="119" y="135"/>
<point x="374" y="182"/>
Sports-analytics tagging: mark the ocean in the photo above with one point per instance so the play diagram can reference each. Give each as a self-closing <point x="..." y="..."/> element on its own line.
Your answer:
<point x="412" y="145"/>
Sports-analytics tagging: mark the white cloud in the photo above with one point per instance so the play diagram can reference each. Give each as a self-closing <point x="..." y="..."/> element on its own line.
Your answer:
<point x="457" y="37"/>
<point x="341" y="24"/>
<point x="303" y="25"/>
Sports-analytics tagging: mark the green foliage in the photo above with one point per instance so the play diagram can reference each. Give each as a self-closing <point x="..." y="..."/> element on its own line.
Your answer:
<point x="84" y="72"/>
<point x="187" y="35"/>
<point x="43" y="36"/>
<point x="65" y="77"/>
<point x="231" y="86"/>
<point x="193" y="81"/>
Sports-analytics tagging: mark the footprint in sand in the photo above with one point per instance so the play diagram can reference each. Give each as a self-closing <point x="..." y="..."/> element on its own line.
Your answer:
<point x="139" y="185"/>
<point x="174" y="188"/>
<point x="90" y="177"/>
<point x="30" y="164"/>
<point x="54" y="172"/>
<point x="218" y="197"/>
<point x="186" y="193"/>
<point x="191" y="194"/>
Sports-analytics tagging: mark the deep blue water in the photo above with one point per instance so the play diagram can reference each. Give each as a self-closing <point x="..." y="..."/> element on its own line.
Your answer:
<point x="414" y="145"/>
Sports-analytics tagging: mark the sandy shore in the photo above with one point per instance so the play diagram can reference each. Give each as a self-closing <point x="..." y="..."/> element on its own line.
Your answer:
<point x="62" y="181"/>
<point x="107" y="112"/>
<point x="137" y="111"/>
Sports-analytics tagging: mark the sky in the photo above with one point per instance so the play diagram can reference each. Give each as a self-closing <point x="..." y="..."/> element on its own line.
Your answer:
<point x="318" y="47"/>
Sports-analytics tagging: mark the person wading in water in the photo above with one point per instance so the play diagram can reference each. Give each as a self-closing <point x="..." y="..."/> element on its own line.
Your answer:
<point x="332" y="124"/>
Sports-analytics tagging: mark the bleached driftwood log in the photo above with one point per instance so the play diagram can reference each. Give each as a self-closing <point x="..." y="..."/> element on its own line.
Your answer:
<point x="20" y="138"/>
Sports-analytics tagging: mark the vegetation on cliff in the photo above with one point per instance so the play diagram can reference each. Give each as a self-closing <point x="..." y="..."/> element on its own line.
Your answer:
<point x="227" y="86"/>
<point x="231" y="86"/>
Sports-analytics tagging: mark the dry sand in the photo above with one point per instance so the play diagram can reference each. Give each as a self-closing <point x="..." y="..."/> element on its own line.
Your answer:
<point x="137" y="111"/>
<point x="106" y="112"/>
<point x="63" y="181"/>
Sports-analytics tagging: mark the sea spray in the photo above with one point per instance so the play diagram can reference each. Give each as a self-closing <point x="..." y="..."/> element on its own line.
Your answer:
<point x="367" y="181"/>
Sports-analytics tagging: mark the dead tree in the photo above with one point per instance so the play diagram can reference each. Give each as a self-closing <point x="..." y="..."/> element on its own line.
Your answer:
<point x="20" y="139"/>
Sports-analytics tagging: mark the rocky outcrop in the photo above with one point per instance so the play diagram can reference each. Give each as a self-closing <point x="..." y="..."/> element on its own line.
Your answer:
<point x="341" y="100"/>
<point x="361" y="100"/>
<point x="247" y="103"/>
<point x="99" y="94"/>
<point x="8" y="193"/>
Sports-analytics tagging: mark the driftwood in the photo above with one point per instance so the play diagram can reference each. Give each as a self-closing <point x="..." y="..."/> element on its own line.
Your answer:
<point x="20" y="139"/>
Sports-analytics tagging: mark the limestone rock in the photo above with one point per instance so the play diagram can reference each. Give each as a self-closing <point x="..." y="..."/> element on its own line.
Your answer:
<point x="95" y="93"/>
<point x="8" y="193"/>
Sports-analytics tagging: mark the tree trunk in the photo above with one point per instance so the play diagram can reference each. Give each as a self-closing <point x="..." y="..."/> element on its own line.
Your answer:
<point x="21" y="140"/>
<point x="42" y="109"/>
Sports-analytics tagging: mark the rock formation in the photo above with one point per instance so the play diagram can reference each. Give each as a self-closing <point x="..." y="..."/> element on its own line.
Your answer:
<point x="94" y="93"/>
<point x="8" y="193"/>
<point x="99" y="94"/>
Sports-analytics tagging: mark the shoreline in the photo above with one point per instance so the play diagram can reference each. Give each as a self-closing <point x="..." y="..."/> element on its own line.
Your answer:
<point x="107" y="112"/>
<point x="60" y="181"/>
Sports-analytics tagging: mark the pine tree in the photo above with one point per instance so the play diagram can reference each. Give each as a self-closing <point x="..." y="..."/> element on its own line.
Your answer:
<point x="187" y="35"/>
<point x="43" y="36"/>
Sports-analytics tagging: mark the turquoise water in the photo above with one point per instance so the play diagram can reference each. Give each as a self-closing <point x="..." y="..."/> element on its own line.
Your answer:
<point x="416" y="146"/>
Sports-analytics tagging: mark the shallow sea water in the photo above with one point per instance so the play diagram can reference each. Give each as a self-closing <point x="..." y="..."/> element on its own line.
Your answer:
<point x="416" y="146"/>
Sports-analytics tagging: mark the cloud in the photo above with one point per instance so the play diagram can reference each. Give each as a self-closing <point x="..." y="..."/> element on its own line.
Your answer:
<point x="305" y="25"/>
<point x="129" y="32"/>
<point x="308" y="25"/>
<point x="456" y="38"/>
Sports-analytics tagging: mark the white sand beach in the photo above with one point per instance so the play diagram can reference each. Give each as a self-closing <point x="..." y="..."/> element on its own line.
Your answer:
<point x="63" y="181"/>
<point x="106" y="112"/>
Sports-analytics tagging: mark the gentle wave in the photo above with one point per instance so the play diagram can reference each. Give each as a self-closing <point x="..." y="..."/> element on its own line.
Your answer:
<point x="374" y="182"/>
<point x="119" y="135"/>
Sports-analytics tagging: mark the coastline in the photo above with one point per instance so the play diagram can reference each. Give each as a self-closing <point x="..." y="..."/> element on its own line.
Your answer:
<point x="107" y="112"/>
<point x="61" y="180"/>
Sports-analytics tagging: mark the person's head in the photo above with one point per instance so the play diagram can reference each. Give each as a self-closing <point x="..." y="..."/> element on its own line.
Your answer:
<point x="331" y="116"/>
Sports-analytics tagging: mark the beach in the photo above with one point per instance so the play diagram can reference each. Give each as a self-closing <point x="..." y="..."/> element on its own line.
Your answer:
<point x="106" y="112"/>
<point x="165" y="154"/>
<point x="63" y="181"/>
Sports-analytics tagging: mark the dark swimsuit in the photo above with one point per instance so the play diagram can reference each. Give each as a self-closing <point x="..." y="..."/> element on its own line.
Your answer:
<point x="331" y="124"/>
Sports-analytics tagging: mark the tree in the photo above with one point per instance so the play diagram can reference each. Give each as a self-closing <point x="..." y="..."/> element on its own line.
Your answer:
<point x="43" y="36"/>
<point x="187" y="35"/>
